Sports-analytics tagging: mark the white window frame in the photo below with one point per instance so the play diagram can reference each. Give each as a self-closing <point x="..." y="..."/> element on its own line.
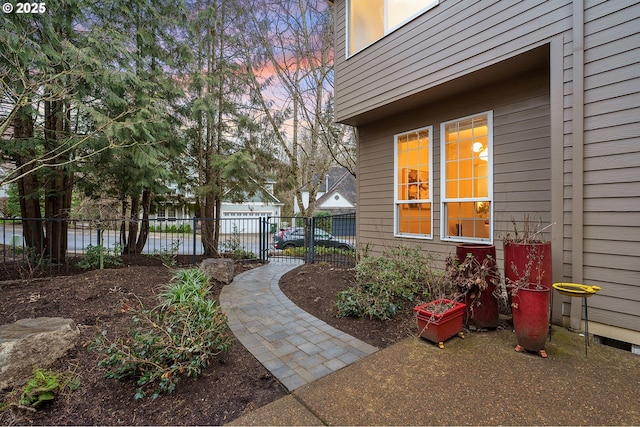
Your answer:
<point x="396" y="201"/>
<point x="387" y="30"/>
<point x="443" y="182"/>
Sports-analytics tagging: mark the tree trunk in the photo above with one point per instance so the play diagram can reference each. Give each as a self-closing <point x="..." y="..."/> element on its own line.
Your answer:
<point x="28" y="186"/>
<point x="209" y="226"/>
<point x="144" y="224"/>
<point x="59" y="184"/>
<point x="130" y="248"/>
<point x="123" y="224"/>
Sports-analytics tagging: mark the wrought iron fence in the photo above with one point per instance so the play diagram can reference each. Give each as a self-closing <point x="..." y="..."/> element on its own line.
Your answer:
<point x="57" y="245"/>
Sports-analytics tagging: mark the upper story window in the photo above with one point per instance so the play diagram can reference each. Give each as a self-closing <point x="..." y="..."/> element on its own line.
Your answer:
<point x="370" y="20"/>
<point x="413" y="178"/>
<point x="467" y="179"/>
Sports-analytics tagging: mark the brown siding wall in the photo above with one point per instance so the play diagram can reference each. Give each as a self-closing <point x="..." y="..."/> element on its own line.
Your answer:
<point x="594" y="135"/>
<point x="612" y="160"/>
<point x="450" y="40"/>
<point x="521" y="155"/>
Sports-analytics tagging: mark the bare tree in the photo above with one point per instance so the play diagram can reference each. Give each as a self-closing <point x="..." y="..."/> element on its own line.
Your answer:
<point x="296" y="42"/>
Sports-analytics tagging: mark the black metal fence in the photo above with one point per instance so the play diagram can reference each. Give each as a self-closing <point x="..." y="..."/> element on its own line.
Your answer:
<point x="63" y="245"/>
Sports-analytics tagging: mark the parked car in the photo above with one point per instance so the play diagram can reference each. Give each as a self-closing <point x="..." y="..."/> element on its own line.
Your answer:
<point x="293" y="237"/>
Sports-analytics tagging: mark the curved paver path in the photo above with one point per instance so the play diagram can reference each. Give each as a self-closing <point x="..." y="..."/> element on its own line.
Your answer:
<point x="293" y="345"/>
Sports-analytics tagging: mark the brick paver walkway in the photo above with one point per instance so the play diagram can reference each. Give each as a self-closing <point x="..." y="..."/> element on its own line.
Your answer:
<point x="293" y="345"/>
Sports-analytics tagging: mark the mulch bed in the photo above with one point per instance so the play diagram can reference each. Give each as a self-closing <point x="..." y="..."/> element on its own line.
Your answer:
<point x="232" y="385"/>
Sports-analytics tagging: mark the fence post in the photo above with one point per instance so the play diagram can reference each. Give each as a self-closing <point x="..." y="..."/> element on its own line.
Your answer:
<point x="311" y="244"/>
<point x="261" y="232"/>
<point x="195" y="223"/>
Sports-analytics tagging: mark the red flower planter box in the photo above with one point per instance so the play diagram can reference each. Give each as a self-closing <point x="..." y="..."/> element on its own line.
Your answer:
<point x="438" y="327"/>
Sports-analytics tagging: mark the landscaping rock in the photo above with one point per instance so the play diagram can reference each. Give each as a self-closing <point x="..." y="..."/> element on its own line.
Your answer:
<point x="30" y="343"/>
<point x="220" y="269"/>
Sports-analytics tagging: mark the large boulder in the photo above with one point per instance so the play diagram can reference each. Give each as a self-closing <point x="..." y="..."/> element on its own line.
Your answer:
<point x="220" y="269"/>
<point x="30" y="343"/>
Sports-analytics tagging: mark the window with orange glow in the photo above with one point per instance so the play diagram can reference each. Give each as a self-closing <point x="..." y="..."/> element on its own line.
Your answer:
<point x="370" y="20"/>
<point x="413" y="177"/>
<point x="467" y="178"/>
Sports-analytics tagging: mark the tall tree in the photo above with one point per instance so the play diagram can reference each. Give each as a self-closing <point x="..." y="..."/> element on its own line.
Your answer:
<point x="155" y="52"/>
<point x="225" y="141"/>
<point x="297" y="57"/>
<point x="45" y="73"/>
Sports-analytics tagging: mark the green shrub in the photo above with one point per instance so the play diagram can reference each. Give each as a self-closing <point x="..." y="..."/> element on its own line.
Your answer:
<point x="232" y="247"/>
<point x="110" y="257"/>
<point x="180" y="229"/>
<point x="384" y="284"/>
<point x="169" y="254"/>
<point x="178" y="337"/>
<point x="319" y="251"/>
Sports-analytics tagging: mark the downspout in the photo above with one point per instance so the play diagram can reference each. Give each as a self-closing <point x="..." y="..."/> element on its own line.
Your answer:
<point x="556" y="83"/>
<point x="577" y="209"/>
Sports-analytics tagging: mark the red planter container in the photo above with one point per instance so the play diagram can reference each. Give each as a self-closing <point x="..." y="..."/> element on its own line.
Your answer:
<point x="482" y="311"/>
<point x="442" y="326"/>
<point x="534" y="257"/>
<point x="531" y="317"/>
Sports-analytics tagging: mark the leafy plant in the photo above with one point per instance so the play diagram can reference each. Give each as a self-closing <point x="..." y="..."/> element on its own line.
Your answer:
<point x="92" y="254"/>
<point x="43" y="386"/>
<point x="178" y="337"/>
<point x="180" y="229"/>
<point x="169" y="254"/>
<point x="384" y="284"/>
<point x="233" y="248"/>
<point x="319" y="251"/>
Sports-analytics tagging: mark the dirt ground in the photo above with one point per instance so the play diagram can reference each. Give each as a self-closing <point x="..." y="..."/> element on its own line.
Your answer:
<point x="231" y="386"/>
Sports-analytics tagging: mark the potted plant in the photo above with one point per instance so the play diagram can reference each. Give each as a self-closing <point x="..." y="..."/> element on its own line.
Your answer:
<point x="440" y="319"/>
<point x="475" y="277"/>
<point x="527" y="258"/>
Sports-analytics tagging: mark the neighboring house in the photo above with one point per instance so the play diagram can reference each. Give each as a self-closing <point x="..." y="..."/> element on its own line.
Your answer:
<point x="470" y="114"/>
<point x="243" y="217"/>
<point x="179" y="207"/>
<point x="336" y="194"/>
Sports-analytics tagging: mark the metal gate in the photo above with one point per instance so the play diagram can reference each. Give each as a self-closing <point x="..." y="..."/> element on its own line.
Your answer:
<point x="329" y="239"/>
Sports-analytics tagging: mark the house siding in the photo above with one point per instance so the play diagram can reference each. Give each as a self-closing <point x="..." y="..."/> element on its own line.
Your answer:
<point x="611" y="233"/>
<point x="450" y="40"/>
<point x="521" y="159"/>
<point x="570" y="154"/>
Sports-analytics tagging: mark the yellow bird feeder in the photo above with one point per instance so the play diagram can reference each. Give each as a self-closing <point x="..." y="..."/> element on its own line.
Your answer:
<point x="584" y="291"/>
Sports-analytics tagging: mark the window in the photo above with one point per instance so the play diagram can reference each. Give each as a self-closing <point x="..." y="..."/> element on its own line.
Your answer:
<point x="467" y="179"/>
<point x="370" y="20"/>
<point x="413" y="178"/>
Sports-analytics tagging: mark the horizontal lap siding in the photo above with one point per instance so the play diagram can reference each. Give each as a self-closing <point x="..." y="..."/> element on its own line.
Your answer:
<point x="450" y="40"/>
<point x="612" y="161"/>
<point x="522" y="163"/>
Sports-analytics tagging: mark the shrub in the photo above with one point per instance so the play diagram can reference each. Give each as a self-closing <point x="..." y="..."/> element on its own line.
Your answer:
<point x="384" y="284"/>
<point x="169" y="254"/>
<point x="319" y="251"/>
<point x="183" y="228"/>
<point x="178" y="337"/>
<point x="110" y="257"/>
